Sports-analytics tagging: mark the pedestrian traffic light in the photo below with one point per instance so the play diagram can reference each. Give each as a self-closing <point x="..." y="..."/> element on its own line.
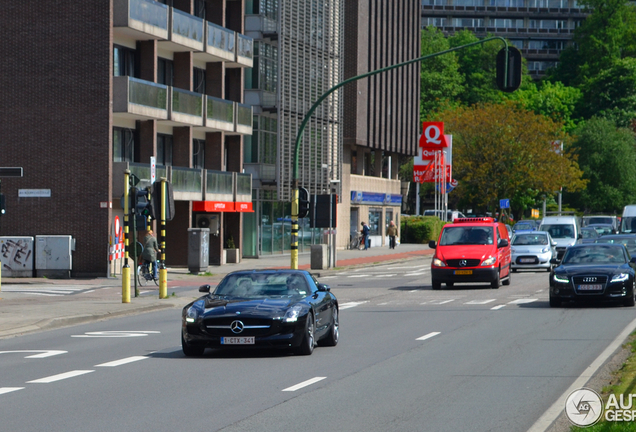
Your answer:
<point x="509" y="76"/>
<point x="303" y="202"/>
<point x="3" y="207"/>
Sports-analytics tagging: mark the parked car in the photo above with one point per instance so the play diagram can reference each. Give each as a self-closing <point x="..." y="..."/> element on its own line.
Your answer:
<point x="588" y="235"/>
<point x="265" y="308"/>
<point x="593" y="272"/>
<point x="565" y="231"/>
<point x="532" y="250"/>
<point x="628" y="240"/>
<point x="471" y="250"/>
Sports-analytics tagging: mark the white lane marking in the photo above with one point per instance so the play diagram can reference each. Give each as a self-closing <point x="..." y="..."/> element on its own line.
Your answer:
<point x="539" y="291"/>
<point x="497" y="307"/>
<point x="4" y="390"/>
<point x="350" y="305"/>
<point x="523" y="301"/>
<point x="415" y="274"/>
<point x="59" y="377"/>
<point x="327" y="277"/>
<point x="408" y="267"/>
<point x="480" y="302"/>
<point x="42" y="294"/>
<point x="386" y="275"/>
<point x="122" y="361"/>
<point x="304" y="384"/>
<point x="115" y="334"/>
<point x="381" y="304"/>
<point x="359" y="276"/>
<point x="446" y="301"/>
<point x="545" y="421"/>
<point x="43" y="353"/>
<point x="428" y="336"/>
<point x="89" y="291"/>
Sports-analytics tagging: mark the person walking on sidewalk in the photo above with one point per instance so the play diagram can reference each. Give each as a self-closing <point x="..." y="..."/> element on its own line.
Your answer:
<point x="151" y="249"/>
<point x="391" y="231"/>
<point x="365" y="235"/>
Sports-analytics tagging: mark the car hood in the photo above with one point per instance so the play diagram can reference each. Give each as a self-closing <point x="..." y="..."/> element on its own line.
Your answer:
<point x="536" y="249"/>
<point x="466" y="252"/>
<point x="249" y="307"/>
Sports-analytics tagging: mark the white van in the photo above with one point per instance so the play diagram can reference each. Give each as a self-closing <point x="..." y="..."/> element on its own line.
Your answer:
<point x="564" y="230"/>
<point x="628" y="221"/>
<point x="451" y="215"/>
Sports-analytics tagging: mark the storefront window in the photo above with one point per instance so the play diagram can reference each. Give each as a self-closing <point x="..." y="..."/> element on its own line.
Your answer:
<point x="375" y="221"/>
<point x="388" y="217"/>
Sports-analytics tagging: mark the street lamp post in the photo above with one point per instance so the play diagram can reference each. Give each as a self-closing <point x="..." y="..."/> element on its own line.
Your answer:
<point x="295" y="185"/>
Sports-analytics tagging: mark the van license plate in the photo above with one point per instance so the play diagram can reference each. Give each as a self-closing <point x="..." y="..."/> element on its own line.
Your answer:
<point x="463" y="272"/>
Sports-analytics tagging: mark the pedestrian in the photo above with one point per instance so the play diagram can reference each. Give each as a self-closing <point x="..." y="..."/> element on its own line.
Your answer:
<point x="151" y="249"/>
<point x="365" y="235"/>
<point x="391" y="231"/>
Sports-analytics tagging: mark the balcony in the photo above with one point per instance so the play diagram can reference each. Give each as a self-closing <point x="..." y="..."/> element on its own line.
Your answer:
<point x="219" y="115"/>
<point x="138" y="99"/>
<point x="140" y="19"/>
<point x="260" y="27"/>
<point x="186" y="108"/>
<point x="244" y="52"/>
<point x="244" y="117"/>
<point x="186" y="32"/>
<point x="187" y="183"/>
<point x="262" y="174"/>
<point x="220" y="44"/>
<point x="219" y="186"/>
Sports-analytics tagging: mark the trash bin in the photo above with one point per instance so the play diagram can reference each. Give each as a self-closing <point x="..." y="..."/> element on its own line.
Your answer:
<point x="198" y="250"/>
<point x="319" y="257"/>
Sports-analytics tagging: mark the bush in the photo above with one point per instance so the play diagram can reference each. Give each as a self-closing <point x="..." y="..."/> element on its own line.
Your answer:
<point x="420" y="229"/>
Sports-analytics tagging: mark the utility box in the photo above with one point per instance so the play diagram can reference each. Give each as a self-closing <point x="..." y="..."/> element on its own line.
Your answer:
<point x="16" y="256"/>
<point x="54" y="256"/>
<point x="198" y="250"/>
<point x="319" y="257"/>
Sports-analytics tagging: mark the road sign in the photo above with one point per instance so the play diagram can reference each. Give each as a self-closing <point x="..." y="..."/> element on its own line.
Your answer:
<point x="153" y="169"/>
<point x="433" y="135"/>
<point x="504" y="203"/>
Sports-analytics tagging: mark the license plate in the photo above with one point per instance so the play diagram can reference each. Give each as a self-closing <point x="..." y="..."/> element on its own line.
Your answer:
<point x="526" y="260"/>
<point x="249" y="340"/>
<point x="463" y="272"/>
<point x="595" y="287"/>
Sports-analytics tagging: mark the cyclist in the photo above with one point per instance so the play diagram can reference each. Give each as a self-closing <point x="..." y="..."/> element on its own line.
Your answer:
<point x="151" y="249"/>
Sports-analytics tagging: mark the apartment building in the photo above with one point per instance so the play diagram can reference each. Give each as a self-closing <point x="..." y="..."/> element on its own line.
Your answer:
<point x="92" y="88"/>
<point x="541" y="29"/>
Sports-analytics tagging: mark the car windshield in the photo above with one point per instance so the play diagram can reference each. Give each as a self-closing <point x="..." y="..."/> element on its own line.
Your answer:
<point x="628" y="224"/>
<point x="523" y="226"/>
<point x="597" y="254"/>
<point x="630" y="243"/>
<point x="530" y="240"/>
<point x="559" y="231"/>
<point x="589" y="233"/>
<point x="599" y="220"/>
<point x="603" y="230"/>
<point x="263" y="285"/>
<point x="460" y="235"/>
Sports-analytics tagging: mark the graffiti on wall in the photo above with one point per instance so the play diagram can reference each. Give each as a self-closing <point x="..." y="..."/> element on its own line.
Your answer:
<point x="16" y="253"/>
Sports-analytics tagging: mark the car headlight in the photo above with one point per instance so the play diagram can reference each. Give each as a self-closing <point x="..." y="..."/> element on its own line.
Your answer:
<point x="489" y="261"/>
<point x="561" y="279"/>
<point x="192" y="314"/>
<point x="438" y="263"/>
<point x="293" y="313"/>
<point x="620" y="277"/>
<point x="545" y="250"/>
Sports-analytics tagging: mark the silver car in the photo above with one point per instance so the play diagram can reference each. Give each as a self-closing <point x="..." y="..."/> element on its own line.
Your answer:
<point x="532" y="250"/>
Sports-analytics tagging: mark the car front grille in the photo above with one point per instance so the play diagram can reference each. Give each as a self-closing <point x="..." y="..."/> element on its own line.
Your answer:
<point x="469" y="262"/>
<point x="251" y="326"/>
<point x="589" y="280"/>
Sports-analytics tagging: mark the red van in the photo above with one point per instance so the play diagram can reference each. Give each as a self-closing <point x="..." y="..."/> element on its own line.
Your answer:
<point x="471" y="250"/>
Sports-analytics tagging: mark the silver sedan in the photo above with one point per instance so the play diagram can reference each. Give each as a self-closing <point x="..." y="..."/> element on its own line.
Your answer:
<point x="532" y="250"/>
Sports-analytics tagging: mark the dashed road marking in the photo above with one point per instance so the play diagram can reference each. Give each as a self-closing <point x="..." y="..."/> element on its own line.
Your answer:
<point x="497" y="307"/>
<point x="480" y="302"/>
<point x="122" y="361"/>
<point x="304" y="384"/>
<point x="523" y="301"/>
<point x="43" y="353"/>
<point x="428" y="336"/>
<point x="59" y="377"/>
<point x="350" y="305"/>
<point x="4" y="390"/>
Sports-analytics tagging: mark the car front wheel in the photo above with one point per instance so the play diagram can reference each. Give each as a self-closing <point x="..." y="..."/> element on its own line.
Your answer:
<point x="307" y="344"/>
<point x="190" y="350"/>
<point x="334" y="330"/>
<point x="496" y="282"/>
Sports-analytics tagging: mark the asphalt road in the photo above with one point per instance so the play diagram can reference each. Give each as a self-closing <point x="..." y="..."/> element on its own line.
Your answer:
<point x="409" y="359"/>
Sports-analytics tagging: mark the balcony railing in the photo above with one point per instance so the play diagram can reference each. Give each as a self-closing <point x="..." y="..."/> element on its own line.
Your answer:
<point x="187" y="107"/>
<point x="140" y="99"/>
<point x="244" y="119"/>
<point x="185" y="31"/>
<point x="188" y="182"/>
<point x="244" y="52"/>
<point x="221" y="43"/>
<point x="265" y="173"/>
<point x="219" y="115"/>
<point x="141" y="19"/>
<point x="219" y="186"/>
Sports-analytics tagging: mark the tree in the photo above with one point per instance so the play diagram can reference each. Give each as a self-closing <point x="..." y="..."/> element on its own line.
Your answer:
<point x="504" y="151"/>
<point x="607" y="156"/>
<point x="440" y="77"/>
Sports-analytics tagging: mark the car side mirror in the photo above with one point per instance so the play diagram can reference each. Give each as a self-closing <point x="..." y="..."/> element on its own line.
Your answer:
<point x="323" y="287"/>
<point x="633" y="260"/>
<point x="503" y="243"/>
<point x="555" y="261"/>
<point x="553" y="243"/>
<point x="204" y="288"/>
<point x="431" y="244"/>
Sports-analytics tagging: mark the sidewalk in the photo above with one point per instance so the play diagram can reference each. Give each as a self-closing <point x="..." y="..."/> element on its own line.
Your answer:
<point x="100" y="298"/>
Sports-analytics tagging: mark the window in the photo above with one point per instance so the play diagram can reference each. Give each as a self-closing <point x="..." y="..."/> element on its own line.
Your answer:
<point x="198" y="153"/>
<point x="375" y="221"/>
<point x="467" y="22"/>
<point x="164" y="150"/>
<point x="165" y="71"/>
<point x="506" y="23"/>
<point x="198" y="76"/>
<point x="123" y="145"/>
<point x="388" y="217"/>
<point x="435" y="22"/>
<point x="123" y="61"/>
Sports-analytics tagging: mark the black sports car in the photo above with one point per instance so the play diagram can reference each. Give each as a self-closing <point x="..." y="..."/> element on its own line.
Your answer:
<point x="593" y="272"/>
<point x="262" y="308"/>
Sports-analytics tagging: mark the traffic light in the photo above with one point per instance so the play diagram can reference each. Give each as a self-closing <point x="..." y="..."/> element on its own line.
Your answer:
<point x="142" y="206"/>
<point x="3" y="206"/>
<point x="303" y="202"/>
<point x="513" y="74"/>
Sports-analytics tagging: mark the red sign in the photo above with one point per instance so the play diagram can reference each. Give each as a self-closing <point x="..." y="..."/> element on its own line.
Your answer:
<point x="243" y="207"/>
<point x="212" y="206"/>
<point x="433" y="136"/>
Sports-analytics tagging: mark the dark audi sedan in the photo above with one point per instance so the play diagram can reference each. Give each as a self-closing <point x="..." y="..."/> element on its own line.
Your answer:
<point x="593" y="272"/>
<point x="269" y="308"/>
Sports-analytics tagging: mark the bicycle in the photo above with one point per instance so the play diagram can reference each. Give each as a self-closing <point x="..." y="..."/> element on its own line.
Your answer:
<point x="145" y="275"/>
<point x="356" y="242"/>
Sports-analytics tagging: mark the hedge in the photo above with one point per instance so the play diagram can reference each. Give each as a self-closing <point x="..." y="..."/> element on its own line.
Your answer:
<point x="420" y="229"/>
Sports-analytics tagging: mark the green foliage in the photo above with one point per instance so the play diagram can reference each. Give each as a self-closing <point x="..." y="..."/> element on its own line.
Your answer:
<point x="229" y="244"/>
<point x="420" y="229"/>
<point x="607" y="156"/>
